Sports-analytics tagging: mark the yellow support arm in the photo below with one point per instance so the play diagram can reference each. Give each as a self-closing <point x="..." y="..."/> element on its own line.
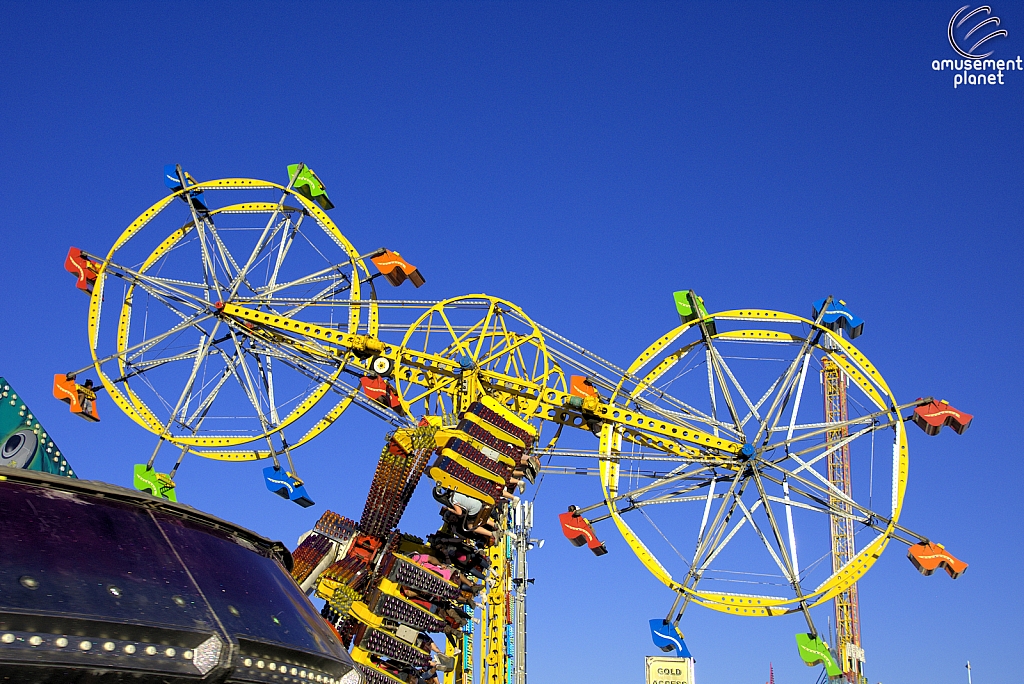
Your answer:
<point x="552" y="402"/>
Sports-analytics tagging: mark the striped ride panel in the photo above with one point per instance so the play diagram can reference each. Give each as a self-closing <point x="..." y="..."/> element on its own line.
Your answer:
<point x="405" y="612"/>
<point x="473" y="455"/>
<point x="501" y="423"/>
<point x="481" y="434"/>
<point x="462" y="474"/>
<point x="402" y="570"/>
<point x="500" y="416"/>
<point x="336" y="527"/>
<point x="394" y="480"/>
<point x="508" y="414"/>
<point x="374" y="676"/>
<point x="387" y="645"/>
<point x="308" y="555"/>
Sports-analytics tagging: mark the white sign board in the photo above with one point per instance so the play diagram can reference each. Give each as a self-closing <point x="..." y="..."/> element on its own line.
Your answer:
<point x="664" y="670"/>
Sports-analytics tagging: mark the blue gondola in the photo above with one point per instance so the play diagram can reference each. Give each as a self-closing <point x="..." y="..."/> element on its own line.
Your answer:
<point x="839" y="318"/>
<point x="286" y="485"/>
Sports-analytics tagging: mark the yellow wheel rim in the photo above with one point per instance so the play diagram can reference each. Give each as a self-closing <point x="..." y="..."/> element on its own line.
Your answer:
<point x="788" y="454"/>
<point x="293" y="219"/>
<point x="502" y="349"/>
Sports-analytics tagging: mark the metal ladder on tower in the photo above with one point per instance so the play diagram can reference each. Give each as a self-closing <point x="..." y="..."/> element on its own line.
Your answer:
<point x="849" y="651"/>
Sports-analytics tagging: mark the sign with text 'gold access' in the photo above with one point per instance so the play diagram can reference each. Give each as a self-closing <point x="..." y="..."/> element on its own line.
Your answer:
<point x="663" y="670"/>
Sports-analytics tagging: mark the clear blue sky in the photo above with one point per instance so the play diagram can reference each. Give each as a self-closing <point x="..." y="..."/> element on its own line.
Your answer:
<point x="583" y="160"/>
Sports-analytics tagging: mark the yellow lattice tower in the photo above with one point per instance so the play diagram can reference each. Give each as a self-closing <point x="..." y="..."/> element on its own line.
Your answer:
<point x="467" y="658"/>
<point x="496" y="617"/>
<point x="463" y="671"/>
<point x="848" y="646"/>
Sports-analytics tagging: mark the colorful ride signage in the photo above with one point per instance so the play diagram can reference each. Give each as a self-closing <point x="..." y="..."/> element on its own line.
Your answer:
<point x="665" y="670"/>
<point x="23" y="441"/>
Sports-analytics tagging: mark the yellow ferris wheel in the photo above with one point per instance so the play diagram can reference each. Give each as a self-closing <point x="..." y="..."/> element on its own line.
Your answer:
<point x="728" y="472"/>
<point x="742" y="377"/>
<point x="202" y="382"/>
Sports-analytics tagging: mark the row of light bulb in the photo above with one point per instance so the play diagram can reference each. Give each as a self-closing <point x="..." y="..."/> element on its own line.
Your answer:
<point x="86" y="645"/>
<point x="352" y="677"/>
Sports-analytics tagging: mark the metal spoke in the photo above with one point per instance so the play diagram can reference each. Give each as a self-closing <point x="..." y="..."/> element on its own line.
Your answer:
<point x="778" y="405"/>
<point x="787" y="573"/>
<point x="822" y="428"/>
<point x="483" y="330"/>
<point x="283" y="247"/>
<point x="160" y="280"/>
<point x="675" y="497"/>
<point x="789" y="527"/>
<point x="824" y="499"/>
<point x="209" y="267"/>
<point x="329" y="291"/>
<point x="146" y="345"/>
<point x="225" y="254"/>
<point x="832" y="447"/>
<point x="818" y="509"/>
<point x="707" y="509"/>
<point x="799" y="397"/>
<point x="718" y="524"/>
<point x="776" y="533"/>
<point x="522" y="340"/>
<point x="713" y="360"/>
<point x="760" y="402"/>
<point x="646" y="385"/>
<point x="206" y="403"/>
<point x="739" y="387"/>
<point x="264" y="240"/>
<point x="247" y="385"/>
<point x="330" y="273"/>
<point x="150" y="364"/>
<point x="164" y="298"/>
<point x="671" y="478"/>
<point x="829" y="489"/>
<point x="204" y="347"/>
<point x="711" y="387"/>
<point x="721" y="543"/>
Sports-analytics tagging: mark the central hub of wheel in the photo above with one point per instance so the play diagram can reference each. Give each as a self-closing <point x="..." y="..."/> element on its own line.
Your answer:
<point x="747" y="450"/>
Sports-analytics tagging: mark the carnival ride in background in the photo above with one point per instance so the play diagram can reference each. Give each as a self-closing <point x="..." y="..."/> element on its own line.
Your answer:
<point x="234" y="311"/>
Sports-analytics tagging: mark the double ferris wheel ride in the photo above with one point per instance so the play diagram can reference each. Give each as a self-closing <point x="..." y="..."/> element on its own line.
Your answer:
<point x="234" y="321"/>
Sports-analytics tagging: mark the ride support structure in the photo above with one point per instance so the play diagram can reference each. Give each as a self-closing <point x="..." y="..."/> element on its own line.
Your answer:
<point x="242" y="329"/>
<point x="522" y="543"/>
<point x="847" y="610"/>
